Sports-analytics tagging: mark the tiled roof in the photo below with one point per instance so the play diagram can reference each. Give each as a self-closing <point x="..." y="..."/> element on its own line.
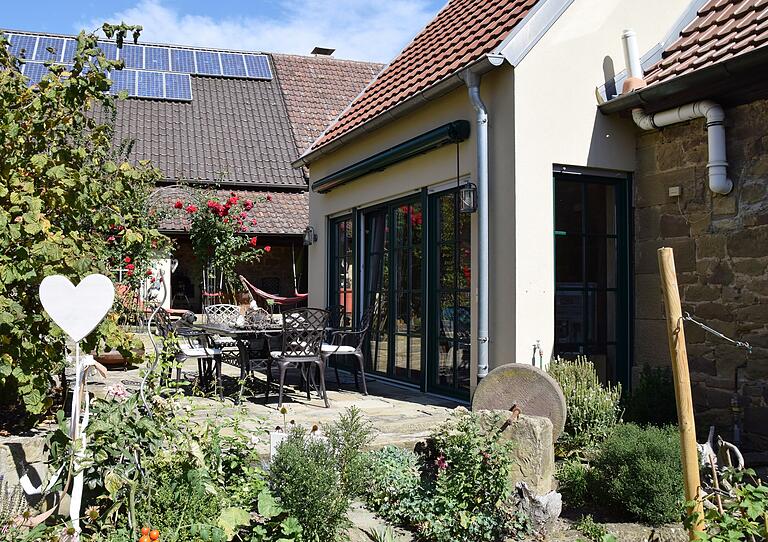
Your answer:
<point x="721" y="30"/>
<point x="462" y="32"/>
<point x="317" y="89"/>
<point x="233" y="131"/>
<point x="286" y="213"/>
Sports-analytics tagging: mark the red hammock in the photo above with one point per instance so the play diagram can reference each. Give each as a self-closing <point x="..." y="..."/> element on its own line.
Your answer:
<point x="279" y="300"/>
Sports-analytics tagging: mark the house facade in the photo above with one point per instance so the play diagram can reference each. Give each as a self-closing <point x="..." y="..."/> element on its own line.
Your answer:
<point x="221" y="121"/>
<point x="553" y="219"/>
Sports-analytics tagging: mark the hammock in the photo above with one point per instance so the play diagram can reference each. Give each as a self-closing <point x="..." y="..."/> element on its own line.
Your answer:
<point x="279" y="300"/>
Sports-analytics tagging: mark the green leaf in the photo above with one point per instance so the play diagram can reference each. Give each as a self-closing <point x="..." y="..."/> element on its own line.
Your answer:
<point x="231" y="519"/>
<point x="267" y="505"/>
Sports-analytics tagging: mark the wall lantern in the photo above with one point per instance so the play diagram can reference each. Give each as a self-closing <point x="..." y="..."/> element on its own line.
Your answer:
<point x="468" y="198"/>
<point x="309" y="236"/>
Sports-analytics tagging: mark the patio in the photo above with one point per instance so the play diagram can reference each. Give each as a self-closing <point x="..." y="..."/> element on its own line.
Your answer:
<point x="401" y="416"/>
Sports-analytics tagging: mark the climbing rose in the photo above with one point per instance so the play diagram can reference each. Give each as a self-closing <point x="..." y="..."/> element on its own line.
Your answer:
<point x="232" y="200"/>
<point x="267" y="248"/>
<point x="191" y="209"/>
<point x="248" y="205"/>
<point x="441" y="462"/>
<point x="127" y="259"/>
<point x="269" y="198"/>
<point x="149" y="272"/>
<point x="254" y="241"/>
<point x="111" y="238"/>
<point x="178" y="204"/>
<point x="130" y="267"/>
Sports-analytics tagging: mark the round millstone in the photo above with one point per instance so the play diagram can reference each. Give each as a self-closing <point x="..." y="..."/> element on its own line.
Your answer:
<point x="529" y="388"/>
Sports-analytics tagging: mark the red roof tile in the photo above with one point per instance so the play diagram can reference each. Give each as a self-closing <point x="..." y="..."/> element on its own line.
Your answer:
<point x="722" y="29"/>
<point x="462" y="32"/>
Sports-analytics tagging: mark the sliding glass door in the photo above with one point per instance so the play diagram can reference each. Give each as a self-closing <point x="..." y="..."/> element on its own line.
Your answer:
<point x="393" y="280"/>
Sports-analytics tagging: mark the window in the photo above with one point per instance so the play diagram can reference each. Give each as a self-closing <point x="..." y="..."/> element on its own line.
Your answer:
<point x="342" y="272"/>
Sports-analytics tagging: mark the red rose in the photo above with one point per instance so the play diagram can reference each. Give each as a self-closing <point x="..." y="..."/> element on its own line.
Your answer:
<point x="226" y="220"/>
<point x="111" y="239"/>
<point x="254" y="241"/>
<point x="269" y="198"/>
<point x="243" y="214"/>
<point x="149" y="272"/>
<point x="127" y="259"/>
<point x="130" y="267"/>
<point x="129" y="273"/>
<point x="267" y="248"/>
<point x="253" y="221"/>
<point x="191" y="209"/>
<point x="178" y="204"/>
<point x="248" y="205"/>
<point x="152" y="280"/>
<point x="232" y="200"/>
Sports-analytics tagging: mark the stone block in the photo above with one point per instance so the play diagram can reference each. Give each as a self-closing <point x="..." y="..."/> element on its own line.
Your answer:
<point x="23" y="454"/>
<point x="720" y="273"/>
<point x="674" y="226"/>
<point x="648" y="296"/>
<point x="534" y="451"/>
<point x="750" y="266"/>
<point x="698" y="362"/>
<point x="753" y="313"/>
<point x="669" y="156"/>
<point x="713" y="311"/>
<point x="647" y="222"/>
<point x="695" y="293"/>
<point x="756" y="420"/>
<point x="710" y="246"/>
<point x="753" y="193"/>
<point x="749" y="243"/>
<point x="724" y="205"/>
<point x="652" y="189"/>
<point x="651" y="343"/>
<point x="758" y="286"/>
<point x="647" y="258"/>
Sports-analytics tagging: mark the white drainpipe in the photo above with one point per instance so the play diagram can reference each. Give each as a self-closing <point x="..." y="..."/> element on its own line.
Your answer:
<point x="712" y="112"/>
<point x="481" y="134"/>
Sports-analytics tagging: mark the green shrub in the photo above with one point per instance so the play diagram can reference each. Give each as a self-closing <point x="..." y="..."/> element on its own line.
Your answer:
<point x="347" y="437"/>
<point x="304" y="475"/>
<point x="652" y="401"/>
<point x="462" y="492"/>
<point x="573" y="482"/>
<point x="638" y="470"/>
<point x="595" y="532"/>
<point x="393" y="488"/>
<point x="593" y="409"/>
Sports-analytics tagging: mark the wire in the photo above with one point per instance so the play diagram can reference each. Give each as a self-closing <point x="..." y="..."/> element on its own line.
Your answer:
<point x="740" y="344"/>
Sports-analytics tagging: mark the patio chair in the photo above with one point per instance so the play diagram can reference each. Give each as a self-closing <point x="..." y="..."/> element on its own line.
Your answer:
<point x="193" y="344"/>
<point x="303" y="334"/>
<point x="225" y="315"/>
<point x="351" y="343"/>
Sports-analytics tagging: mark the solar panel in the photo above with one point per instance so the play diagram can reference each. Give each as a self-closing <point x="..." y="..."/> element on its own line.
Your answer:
<point x="233" y="65"/>
<point x="22" y="45"/>
<point x="109" y="50"/>
<point x="182" y="60"/>
<point x="34" y="71"/>
<point x="208" y="63"/>
<point x="123" y="80"/>
<point x="156" y="58"/>
<point x="132" y="56"/>
<point x="70" y="46"/>
<point x="45" y="43"/>
<point x="178" y="86"/>
<point x="258" y="66"/>
<point x="150" y="85"/>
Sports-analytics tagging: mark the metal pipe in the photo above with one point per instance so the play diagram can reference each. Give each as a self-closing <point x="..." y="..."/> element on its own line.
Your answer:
<point x="632" y="54"/>
<point x="473" y="85"/>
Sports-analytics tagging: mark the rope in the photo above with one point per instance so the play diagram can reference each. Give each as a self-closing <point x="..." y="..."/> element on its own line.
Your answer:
<point x="739" y="344"/>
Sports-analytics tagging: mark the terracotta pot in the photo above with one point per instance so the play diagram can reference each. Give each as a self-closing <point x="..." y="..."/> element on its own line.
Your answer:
<point x="116" y="359"/>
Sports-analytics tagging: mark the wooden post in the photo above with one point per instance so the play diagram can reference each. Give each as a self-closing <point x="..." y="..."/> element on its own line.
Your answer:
<point x="682" y="381"/>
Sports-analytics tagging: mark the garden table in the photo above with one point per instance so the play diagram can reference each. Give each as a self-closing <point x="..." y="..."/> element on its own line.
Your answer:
<point x="242" y="336"/>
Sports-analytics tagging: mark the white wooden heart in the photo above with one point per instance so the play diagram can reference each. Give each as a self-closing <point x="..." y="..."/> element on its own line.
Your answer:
<point x="77" y="309"/>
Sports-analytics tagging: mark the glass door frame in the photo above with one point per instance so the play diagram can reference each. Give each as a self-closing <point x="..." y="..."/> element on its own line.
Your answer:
<point x="622" y="182"/>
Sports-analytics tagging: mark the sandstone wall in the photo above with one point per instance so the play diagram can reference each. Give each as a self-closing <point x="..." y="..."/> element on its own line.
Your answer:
<point x="721" y="252"/>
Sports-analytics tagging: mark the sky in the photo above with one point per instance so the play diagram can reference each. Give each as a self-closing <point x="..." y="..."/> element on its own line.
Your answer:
<point x="373" y="30"/>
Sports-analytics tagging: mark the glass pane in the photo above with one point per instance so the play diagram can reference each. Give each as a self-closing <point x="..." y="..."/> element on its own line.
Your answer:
<point x="401" y="355"/>
<point x="569" y="317"/>
<point x="416" y="269"/>
<point x="415" y="357"/>
<point x="446" y="219"/>
<point x="446" y="269"/>
<point x="568" y="207"/>
<point x="417" y="223"/>
<point x="401" y="231"/>
<point x="601" y="208"/>
<point x="568" y="261"/>
<point x="465" y="229"/>
<point x="416" y="313"/>
<point x="401" y="264"/>
<point x="602" y="269"/>
<point x="465" y="267"/>
<point x="446" y="341"/>
<point x="403" y="313"/>
<point x="602" y="325"/>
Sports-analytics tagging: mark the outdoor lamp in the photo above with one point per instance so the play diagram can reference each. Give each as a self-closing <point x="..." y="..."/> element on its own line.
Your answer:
<point x="309" y="236"/>
<point x="468" y="198"/>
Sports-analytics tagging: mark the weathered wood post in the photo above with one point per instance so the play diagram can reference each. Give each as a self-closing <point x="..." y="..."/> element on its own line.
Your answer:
<point x="682" y="381"/>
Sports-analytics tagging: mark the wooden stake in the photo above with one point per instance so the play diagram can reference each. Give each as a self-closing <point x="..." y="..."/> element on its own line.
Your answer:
<point x="682" y="381"/>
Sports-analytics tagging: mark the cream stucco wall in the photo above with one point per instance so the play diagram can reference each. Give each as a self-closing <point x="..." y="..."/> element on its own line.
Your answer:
<point x="557" y="122"/>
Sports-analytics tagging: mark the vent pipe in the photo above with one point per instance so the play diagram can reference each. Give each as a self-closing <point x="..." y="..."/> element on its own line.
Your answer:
<point x="719" y="183"/>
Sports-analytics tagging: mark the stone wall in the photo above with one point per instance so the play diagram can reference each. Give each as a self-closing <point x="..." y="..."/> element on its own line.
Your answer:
<point x="721" y="254"/>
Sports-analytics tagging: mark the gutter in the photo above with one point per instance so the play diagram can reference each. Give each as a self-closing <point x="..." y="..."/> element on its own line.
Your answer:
<point x="483" y="65"/>
<point x="749" y="64"/>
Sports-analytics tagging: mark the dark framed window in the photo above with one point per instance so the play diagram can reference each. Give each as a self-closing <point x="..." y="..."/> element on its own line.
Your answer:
<point x="342" y="271"/>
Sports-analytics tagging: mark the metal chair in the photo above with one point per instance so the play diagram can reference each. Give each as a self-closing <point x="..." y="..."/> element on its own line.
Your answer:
<point x="303" y="334"/>
<point x="193" y="344"/>
<point x="226" y="315"/>
<point x="339" y="345"/>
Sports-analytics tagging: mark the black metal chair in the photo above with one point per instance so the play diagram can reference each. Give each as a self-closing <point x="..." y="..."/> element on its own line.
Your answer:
<point x="303" y="334"/>
<point x="193" y="344"/>
<point x="351" y="343"/>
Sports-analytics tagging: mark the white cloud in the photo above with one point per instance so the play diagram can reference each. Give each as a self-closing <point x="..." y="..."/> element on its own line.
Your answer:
<point x="358" y="29"/>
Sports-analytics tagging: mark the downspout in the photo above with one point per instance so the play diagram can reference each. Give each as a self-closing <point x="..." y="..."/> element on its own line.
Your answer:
<point x="717" y="165"/>
<point x="481" y="120"/>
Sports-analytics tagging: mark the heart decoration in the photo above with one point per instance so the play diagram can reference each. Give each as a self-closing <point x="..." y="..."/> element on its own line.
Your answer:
<point x="77" y="309"/>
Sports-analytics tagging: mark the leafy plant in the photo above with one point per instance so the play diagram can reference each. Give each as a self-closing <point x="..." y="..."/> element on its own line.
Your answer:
<point x="652" y="400"/>
<point x="594" y="531"/>
<point x="593" y="409"/>
<point x="347" y="437"/>
<point x="638" y="470"/>
<point x="386" y="534"/>
<point x="65" y="186"/>
<point x="393" y="489"/>
<point x="573" y="479"/>
<point x="741" y="514"/>
<point x="305" y="476"/>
